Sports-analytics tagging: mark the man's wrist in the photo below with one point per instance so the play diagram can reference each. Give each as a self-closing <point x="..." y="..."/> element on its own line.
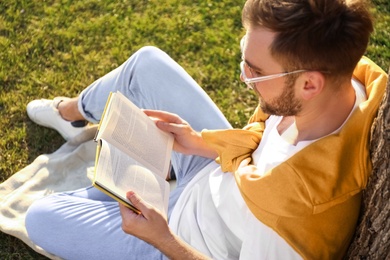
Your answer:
<point x="175" y="248"/>
<point x="164" y="241"/>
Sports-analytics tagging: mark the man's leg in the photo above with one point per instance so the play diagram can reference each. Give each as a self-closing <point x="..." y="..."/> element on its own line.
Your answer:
<point x="84" y="224"/>
<point x="152" y="80"/>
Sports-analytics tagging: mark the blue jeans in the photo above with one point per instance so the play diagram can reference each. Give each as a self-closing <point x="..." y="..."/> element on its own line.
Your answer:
<point x="86" y="224"/>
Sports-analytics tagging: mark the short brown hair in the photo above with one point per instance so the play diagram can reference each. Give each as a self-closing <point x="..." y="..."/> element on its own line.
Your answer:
<point x="327" y="35"/>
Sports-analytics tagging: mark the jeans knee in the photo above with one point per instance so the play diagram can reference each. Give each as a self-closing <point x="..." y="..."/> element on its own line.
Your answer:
<point x="149" y="57"/>
<point x="148" y="52"/>
<point x="41" y="219"/>
<point x="35" y="218"/>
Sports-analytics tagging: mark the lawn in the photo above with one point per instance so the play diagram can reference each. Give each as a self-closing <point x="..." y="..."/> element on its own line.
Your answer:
<point x="58" y="47"/>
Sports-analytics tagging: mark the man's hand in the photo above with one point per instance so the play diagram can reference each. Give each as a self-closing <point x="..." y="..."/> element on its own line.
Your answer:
<point x="187" y="140"/>
<point x="149" y="226"/>
<point x="152" y="227"/>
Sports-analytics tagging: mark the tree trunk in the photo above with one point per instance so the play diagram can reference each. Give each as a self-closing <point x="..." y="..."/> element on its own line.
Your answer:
<point x="372" y="236"/>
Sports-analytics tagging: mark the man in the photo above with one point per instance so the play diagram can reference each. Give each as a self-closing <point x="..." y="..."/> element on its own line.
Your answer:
<point x="288" y="185"/>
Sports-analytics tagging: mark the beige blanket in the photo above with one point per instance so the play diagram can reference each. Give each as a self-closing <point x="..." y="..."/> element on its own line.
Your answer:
<point x="69" y="168"/>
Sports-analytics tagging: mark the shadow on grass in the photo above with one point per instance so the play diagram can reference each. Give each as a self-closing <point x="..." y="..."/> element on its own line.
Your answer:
<point x="12" y="248"/>
<point x="39" y="140"/>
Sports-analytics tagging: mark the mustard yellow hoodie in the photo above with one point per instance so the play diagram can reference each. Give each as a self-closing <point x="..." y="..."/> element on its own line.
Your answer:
<point x="312" y="200"/>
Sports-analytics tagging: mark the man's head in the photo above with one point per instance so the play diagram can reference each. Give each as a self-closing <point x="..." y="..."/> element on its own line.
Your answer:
<point x="275" y="88"/>
<point x="322" y="35"/>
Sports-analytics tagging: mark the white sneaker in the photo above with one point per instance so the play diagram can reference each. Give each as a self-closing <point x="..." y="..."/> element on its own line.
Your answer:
<point x="44" y="112"/>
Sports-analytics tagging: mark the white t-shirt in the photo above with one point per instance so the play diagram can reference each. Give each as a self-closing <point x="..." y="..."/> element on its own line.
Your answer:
<point x="212" y="216"/>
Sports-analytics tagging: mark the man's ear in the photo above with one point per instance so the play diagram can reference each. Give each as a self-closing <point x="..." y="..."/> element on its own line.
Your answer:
<point x="313" y="84"/>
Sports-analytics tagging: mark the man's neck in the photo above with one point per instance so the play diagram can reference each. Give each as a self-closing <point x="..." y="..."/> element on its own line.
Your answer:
<point x="320" y="118"/>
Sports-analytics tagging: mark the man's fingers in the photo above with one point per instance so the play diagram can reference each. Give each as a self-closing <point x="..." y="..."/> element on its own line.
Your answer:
<point x="164" y="116"/>
<point x="138" y="202"/>
<point x="170" y="127"/>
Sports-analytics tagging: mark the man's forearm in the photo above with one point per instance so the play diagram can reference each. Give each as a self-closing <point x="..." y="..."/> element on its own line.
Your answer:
<point x="175" y="248"/>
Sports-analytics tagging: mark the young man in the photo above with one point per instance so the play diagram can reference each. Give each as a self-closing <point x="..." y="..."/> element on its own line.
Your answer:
<point x="288" y="185"/>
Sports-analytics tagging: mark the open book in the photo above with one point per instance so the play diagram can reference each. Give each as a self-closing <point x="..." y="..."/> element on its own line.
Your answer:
<point x="133" y="154"/>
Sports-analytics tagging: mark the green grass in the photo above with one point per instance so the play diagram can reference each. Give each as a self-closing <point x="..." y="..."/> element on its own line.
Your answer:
<point x="53" y="47"/>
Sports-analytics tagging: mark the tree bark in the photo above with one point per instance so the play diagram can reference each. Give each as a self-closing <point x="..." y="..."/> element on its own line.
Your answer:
<point x="372" y="236"/>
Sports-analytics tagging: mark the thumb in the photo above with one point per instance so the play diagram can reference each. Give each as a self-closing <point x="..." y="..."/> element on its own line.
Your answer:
<point x="138" y="202"/>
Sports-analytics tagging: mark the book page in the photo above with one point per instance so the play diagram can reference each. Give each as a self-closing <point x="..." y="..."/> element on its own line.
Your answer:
<point x="119" y="173"/>
<point x="129" y="129"/>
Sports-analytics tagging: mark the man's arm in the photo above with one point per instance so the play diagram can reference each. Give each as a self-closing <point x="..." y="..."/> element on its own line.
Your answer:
<point x="187" y="140"/>
<point x="152" y="227"/>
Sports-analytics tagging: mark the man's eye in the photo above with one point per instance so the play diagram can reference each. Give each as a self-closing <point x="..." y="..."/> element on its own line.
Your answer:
<point x="256" y="73"/>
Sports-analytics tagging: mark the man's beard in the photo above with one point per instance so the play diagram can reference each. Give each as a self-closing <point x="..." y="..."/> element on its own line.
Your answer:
<point x="284" y="105"/>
